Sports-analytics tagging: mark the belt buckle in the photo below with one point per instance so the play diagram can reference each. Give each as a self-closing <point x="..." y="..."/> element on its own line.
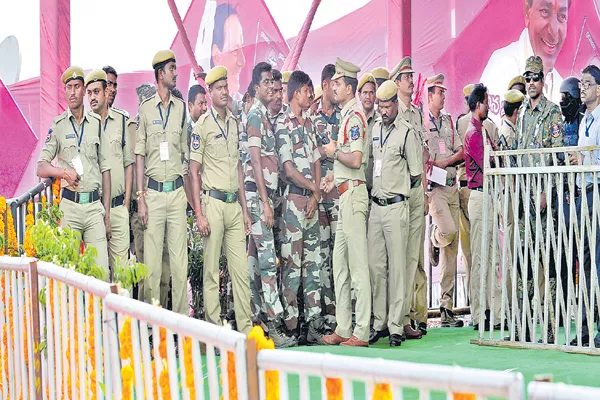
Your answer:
<point x="84" y="198"/>
<point x="230" y="198"/>
<point x="168" y="187"/>
<point x="382" y="202"/>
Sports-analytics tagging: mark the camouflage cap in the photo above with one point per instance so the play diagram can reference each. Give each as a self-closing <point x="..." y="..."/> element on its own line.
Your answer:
<point x="387" y="91"/>
<point x="73" y="72"/>
<point x="403" y="67"/>
<point x="534" y="64"/>
<point x="162" y="56"/>
<point x="381" y="73"/>
<point x="366" y="78"/>
<point x="96" y="75"/>
<point x="345" y="68"/>
<point x="468" y="89"/>
<point x="437" y="80"/>
<point x="516" y="80"/>
<point x="514" y="96"/>
<point x="217" y="73"/>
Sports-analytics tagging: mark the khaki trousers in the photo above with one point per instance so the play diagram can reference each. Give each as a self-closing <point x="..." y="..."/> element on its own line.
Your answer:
<point x="416" y="206"/>
<point x="444" y="210"/>
<point x="166" y="212"/>
<point x="226" y="229"/>
<point x="465" y="230"/>
<point x="350" y="264"/>
<point x="118" y="245"/>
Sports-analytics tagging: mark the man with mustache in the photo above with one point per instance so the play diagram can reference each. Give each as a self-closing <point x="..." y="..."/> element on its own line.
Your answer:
<point x="366" y="94"/>
<point x="114" y="125"/>
<point x="415" y="290"/>
<point x="161" y="149"/>
<point x="544" y="36"/>
<point x="82" y="156"/>
<point x="219" y="204"/>
<point x="111" y="83"/>
<point x="261" y="185"/>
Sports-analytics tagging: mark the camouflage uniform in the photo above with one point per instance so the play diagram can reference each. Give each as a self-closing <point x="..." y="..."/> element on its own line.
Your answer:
<point x="262" y="261"/>
<point x="278" y="198"/>
<point x="328" y="215"/>
<point x="300" y="250"/>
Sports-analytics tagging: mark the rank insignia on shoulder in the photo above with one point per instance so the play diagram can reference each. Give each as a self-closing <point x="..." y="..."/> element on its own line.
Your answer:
<point x="195" y="142"/>
<point x="49" y="136"/>
<point x="555" y="130"/>
<point x="354" y="132"/>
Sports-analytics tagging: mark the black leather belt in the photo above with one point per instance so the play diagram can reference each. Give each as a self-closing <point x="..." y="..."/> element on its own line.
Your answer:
<point x="166" y="187"/>
<point x="225" y="197"/>
<point x="117" y="201"/>
<point x="299" y="191"/>
<point x="462" y="184"/>
<point x="81" y="197"/>
<point x="251" y="187"/>
<point x="387" y="202"/>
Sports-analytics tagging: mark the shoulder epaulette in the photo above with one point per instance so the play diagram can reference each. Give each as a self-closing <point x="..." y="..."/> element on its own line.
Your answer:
<point x="60" y="117"/>
<point x="122" y="112"/>
<point x="93" y="114"/>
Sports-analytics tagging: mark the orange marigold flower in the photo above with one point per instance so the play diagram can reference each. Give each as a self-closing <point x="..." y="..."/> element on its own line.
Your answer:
<point x="334" y="388"/>
<point x="382" y="392"/>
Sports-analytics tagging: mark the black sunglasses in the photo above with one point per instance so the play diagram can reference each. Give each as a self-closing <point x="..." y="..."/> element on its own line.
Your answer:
<point x="534" y="77"/>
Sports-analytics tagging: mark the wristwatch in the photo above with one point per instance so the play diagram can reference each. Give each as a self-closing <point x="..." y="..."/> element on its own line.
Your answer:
<point x="335" y="154"/>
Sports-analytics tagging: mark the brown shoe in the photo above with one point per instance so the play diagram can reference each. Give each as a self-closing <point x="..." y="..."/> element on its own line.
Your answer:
<point x="354" y="342"/>
<point x="334" y="339"/>
<point x="412" y="333"/>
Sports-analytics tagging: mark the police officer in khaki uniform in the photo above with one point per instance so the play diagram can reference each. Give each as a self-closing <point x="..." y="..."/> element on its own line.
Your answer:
<point x="366" y="94"/>
<point x="464" y="193"/>
<point x="416" y="278"/>
<point x="350" y="250"/>
<point x="161" y="147"/>
<point x="219" y="204"/>
<point x="445" y="152"/>
<point x="397" y="164"/>
<point x="82" y="156"/>
<point x="114" y="125"/>
<point x="381" y="74"/>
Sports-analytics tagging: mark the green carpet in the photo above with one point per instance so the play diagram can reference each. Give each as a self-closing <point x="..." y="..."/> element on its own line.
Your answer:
<point x="452" y="347"/>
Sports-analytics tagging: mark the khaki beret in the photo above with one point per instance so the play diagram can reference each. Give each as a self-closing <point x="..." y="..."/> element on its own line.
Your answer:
<point x="519" y="79"/>
<point x="217" y="73"/>
<point x="318" y="92"/>
<point x="285" y="76"/>
<point x="96" y="75"/>
<point x="437" y="80"/>
<point x="468" y="89"/>
<point x="345" y="68"/>
<point x="514" y="96"/>
<point x="366" y="78"/>
<point x="534" y="64"/>
<point x="404" y="67"/>
<point x="162" y="56"/>
<point x="73" y="72"/>
<point x="387" y="90"/>
<point x="381" y="73"/>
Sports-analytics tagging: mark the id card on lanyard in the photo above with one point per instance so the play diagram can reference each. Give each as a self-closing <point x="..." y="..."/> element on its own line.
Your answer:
<point x="76" y="161"/>
<point x="164" y="144"/>
<point x="382" y="141"/>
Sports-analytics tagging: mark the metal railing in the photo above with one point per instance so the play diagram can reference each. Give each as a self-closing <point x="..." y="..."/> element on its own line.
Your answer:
<point x="399" y="375"/>
<point x="561" y="391"/>
<point x="540" y="242"/>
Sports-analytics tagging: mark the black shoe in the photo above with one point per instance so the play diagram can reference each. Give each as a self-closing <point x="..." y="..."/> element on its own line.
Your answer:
<point x="376" y="335"/>
<point x="449" y="320"/>
<point x="303" y="336"/>
<point x="315" y="333"/>
<point x="423" y="328"/>
<point x="475" y="327"/>
<point x="403" y="337"/>
<point x="395" y="340"/>
<point x="434" y="255"/>
<point x="585" y="341"/>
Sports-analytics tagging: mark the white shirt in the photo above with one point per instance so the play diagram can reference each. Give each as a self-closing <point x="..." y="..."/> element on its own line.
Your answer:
<point x="509" y="62"/>
<point x="592" y="128"/>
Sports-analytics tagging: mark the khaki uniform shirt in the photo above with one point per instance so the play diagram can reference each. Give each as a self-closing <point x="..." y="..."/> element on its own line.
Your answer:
<point x="396" y="158"/>
<point x="443" y="140"/>
<point x="66" y="140"/>
<point x="297" y="143"/>
<point x="371" y="120"/>
<point x="262" y="135"/>
<point x="215" y="147"/>
<point x="508" y="131"/>
<point x="352" y="137"/>
<point x="154" y="129"/>
<point x="121" y="154"/>
<point x="414" y="117"/>
<point x="462" y="124"/>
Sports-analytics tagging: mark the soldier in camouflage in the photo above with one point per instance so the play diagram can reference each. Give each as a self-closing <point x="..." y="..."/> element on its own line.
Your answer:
<point x="326" y="123"/>
<point x="299" y="158"/>
<point x="260" y="185"/>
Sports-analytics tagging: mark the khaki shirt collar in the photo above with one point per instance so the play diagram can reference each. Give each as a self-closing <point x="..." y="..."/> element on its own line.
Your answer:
<point x="157" y="99"/>
<point x="216" y="114"/>
<point x="71" y="117"/>
<point x="349" y="105"/>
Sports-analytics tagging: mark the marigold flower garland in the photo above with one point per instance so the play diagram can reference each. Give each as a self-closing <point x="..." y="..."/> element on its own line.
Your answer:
<point x="271" y="377"/>
<point x="189" y="367"/>
<point x="463" y="396"/>
<point x="56" y="191"/>
<point x="5" y="339"/>
<point x="91" y="348"/>
<point x="382" y="392"/>
<point x="334" y="389"/>
<point x="126" y="353"/>
<point x="28" y="245"/>
<point x="11" y="240"/>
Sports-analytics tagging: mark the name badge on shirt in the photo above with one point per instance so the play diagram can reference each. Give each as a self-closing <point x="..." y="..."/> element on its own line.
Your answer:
<point x="71" y="136"/>
<point x="442" y="144"/>
<point x="164" y="151"/>
<point x="378" y="165"/>
<point x="157" y="122"/>
<point x="78" y="165"/>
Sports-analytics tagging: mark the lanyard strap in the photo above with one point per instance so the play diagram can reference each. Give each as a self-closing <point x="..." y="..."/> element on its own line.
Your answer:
<point x="225" y="133"/>
<point x="333" y="120"/>
<point x="105" y="123"/>
<point x="271" y="123"/>
<point x="439" y="128"/>
<point x="382" y="141"/>
<point x="164" y="121"/>
<point x="589" y="121"/>
<point x="79" y="136"/>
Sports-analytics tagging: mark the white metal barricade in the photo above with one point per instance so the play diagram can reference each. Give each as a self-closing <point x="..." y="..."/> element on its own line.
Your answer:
<point x="561" y="391"/>
<point x="183" y="337"/>
<point x="399" y="375"/>
<point x="541" y="247"/>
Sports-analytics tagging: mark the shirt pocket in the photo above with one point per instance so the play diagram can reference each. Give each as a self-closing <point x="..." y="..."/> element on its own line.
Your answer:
<point x="91" y="148"/>
<point x="68" y="150"/>
<point x="176" y="140"/>
<point x="297" y="142"/>
<point x="116" y="146"/>
<point x="217" y="147"/>
<point x="154" y="135"/>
